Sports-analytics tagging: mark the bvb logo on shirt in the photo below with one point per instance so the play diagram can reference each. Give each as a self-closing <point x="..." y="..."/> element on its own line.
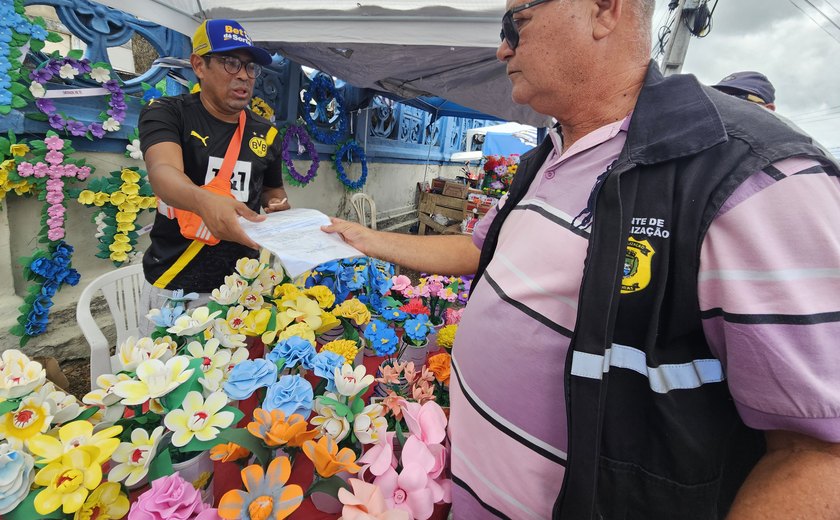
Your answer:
<point x="637" y="266"/>
<point x="258" y="146"/>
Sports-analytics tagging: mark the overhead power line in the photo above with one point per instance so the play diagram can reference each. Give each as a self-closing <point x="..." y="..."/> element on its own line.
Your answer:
<point x="823" y="15"/>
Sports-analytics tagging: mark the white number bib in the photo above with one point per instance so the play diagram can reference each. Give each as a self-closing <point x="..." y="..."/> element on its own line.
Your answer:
<point x="240" y="179"/>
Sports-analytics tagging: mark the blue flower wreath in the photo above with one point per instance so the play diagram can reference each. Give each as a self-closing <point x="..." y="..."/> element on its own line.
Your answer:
<point x="322" y="89"/>
<point x="288" y="166"/>
<point x="347" y="149"/>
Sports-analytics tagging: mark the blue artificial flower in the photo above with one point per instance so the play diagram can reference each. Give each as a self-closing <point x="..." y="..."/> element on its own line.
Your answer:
<point x="72" y="278"/>
<point x="49" y="288"/>
<point x="291" y="395"/>
<point x="151" y="94"/>
<point x="295" y="350"/>
<point x="63" y="249"/>
<point x="418" y="327"/>
<point x="41" y="305"/>
<point x="167" y="315"/>
<point x="394" y="315"/>
<point x="38" y="32"/>
<point x="179" y="296"/>
<point x="324" y="366"/>
<point x="44" y="267"/>
<point x="385" y="343"/>
<point x="5" y="98"/>
<point x="17" y="473"/>
<point x="248" y="376"/>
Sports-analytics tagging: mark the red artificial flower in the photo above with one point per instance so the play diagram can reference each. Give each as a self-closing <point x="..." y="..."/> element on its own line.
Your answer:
<point x="415" y="306"/>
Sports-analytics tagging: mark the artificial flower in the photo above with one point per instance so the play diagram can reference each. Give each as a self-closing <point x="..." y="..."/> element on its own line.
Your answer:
<point x="266" y="495"/>
<point x="198" y="418"/>
<point x="286" y="291"/>
<point x="343" y="347"/>
<point x="249" y="268"/>
<point x="227" y="336"/>
<point x="415" y="306"/>
<point x="133" y="149"/>
<point x="379" y="457"/>
<point x="440" y="365"/>
<point x="298" y="329"/>
<point x="354" y="310"/>
<point x="228" y="452"/>
<point x="111" y="125"/>
<point x="134" y="351"/>
<point x="106" y="502"/>
<point x="68" y="480"/>
<point x="300" y="309"/>
<point x="275" y="430"/>
<point x="198" y="320"/>
<point x="324" y="365"/>
<point x="32" y="417"/>
<point x="400" y="283"/>
<point x="350" y="381"/>
<point x="19" y="149"/>
<point x="133" y="458"/>
<point x="170" y="498"/>
<point x="71" y="436"/>
<point x="155" y="379"/>
<point x="446" y="336"/>
<point x="368" y="423"/>
<point x="328" y="322"/>
<point x="323" y="295"/>
<point x="227" y="294"/>
<point x="291" y="394"/>
<point x="247" y="376"/>
<point x="427" y="421"/>
<point x="295" y="351"/>
<point x="19" y="375"/>
<point x="367" y="503"/>
<point x="16" y="477"/>
<point x="214" y="360"/>
<point x="328" y="422"/>
<point x="251" y="298"/>
<point x="268" y="280"/>
<point x="37" y="90"/>
<point x="67" y="71"/>
<point x="255" y="324"/>
<point x="328" y="459"/>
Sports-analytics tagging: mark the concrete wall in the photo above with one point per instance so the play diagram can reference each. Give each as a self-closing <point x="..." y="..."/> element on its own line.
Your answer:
<point x="392" y="186"/>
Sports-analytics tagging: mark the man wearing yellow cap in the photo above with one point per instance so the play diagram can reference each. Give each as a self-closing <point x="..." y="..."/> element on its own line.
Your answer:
<point x="184" y="140"/>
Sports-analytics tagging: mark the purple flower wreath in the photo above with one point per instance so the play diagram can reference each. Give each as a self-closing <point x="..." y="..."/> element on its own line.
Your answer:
<point x="288" y="166"/>
<point x="68" y="68"/>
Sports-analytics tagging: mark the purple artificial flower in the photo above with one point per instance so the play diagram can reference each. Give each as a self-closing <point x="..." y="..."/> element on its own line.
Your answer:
<point x="41" y="75"/>
<point x="54" y="66"/>
<point x="111" y="86"/>
<point x="97" y="130"/>
<point x="117" y="114"/>
<point x="76" y="128"/>
<point x="45" y="105"/>
<point x="83" y="66"/>
<point x="56" y="121"/>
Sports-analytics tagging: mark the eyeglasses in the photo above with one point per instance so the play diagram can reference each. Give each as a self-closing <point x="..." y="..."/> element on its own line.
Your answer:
<point x="510" y="29"/>
<point x="233" y="65"/>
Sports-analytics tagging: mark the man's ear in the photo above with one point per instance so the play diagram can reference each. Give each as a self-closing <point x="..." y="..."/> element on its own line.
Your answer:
<point x="198" y="65"/>
<point x="606" y="15"/>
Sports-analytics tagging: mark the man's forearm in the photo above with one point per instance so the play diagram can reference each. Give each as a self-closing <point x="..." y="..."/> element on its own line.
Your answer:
<point x="794" y="480"/>
<point x="444" y="254"/>
<point x="176" y="189"/>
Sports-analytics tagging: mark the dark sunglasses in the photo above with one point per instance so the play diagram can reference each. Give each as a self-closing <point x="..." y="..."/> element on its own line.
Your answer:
<point x="233" y="65"/>
<point x="510" y="31"/>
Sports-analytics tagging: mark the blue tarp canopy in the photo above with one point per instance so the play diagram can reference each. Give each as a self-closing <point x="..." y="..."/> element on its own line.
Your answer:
<point x="504" y="144"/>
<point x="440" y="107"/>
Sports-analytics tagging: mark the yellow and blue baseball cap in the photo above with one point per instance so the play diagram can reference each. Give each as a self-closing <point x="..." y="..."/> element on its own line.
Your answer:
<point x="226" y="35"/>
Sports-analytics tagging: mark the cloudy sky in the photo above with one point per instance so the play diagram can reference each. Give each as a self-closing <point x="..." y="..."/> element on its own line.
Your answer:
<point x="776" y="38"/>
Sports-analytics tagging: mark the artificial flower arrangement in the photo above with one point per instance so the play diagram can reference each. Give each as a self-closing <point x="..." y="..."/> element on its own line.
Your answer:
<point x="498" y="173"/>
<point x="120" y="197"/>
<point x="9" y="149"/>
<point x="365" y="278"/>
<point x="433" y="295"/>
<point x="51" y="459"/>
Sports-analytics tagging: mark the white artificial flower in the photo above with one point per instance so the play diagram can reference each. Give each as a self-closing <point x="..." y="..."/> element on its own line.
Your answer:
<point x="198" y="320"/>
<point x="249" y="268"/>
<point x="350" y="381"/>
<point x="65" y="407"/>
<point x="367" y="424"/>
<point x="133" y="458"/>
<point x="133" y="149"/>
<point x="100" y="74"/>
<point x="19" y="375"/>
<point x="199" y="418"/>
<point x="252" y="298"/>
<point x="67" y="71"/>
<point x="134" y="351"/>
<point x="154" y="379"/>
<point x="111" y="125"/>
<point x="227" y="337"/>
<point x="104" y="396"/>
<point x="330" y="424"/>
<point x="37" y="89"/>
<point x="214" y="360"/>
<point x="227" y="294"/>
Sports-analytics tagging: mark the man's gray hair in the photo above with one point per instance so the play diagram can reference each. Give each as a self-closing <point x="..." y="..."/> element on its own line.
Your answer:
<point x="643" y="11"/>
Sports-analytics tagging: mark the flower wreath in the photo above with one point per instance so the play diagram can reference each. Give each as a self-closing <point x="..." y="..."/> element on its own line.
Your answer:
<point x="68" y="68"/>
<point x="9" y="149"/>
<point x="347" y="149"/>
<point x="120" y="198"/>
<point x="288" y="166"/>
<point x="321" y="88"/>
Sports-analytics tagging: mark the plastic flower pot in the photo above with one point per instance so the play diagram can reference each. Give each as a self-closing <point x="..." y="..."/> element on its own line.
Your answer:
<point x="433" y="344"/>
<point x="333" y="334"/>
<point x="410" y="352"/>
<point x="199" y="472"/>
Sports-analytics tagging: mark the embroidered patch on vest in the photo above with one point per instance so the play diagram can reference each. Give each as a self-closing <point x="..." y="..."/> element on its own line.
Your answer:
<point x="637" y="266"/>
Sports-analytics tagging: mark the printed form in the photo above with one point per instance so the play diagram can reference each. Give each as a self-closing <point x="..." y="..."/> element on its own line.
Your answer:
<point x="294" y="236"/>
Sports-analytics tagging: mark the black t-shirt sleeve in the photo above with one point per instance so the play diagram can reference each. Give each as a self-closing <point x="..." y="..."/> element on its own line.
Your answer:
<point x="160" y="122"/>
<point x="273" y="177"/>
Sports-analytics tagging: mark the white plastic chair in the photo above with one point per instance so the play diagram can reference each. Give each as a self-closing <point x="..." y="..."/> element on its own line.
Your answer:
<point x="363" y="203"/>
<point x="121" y="289"/>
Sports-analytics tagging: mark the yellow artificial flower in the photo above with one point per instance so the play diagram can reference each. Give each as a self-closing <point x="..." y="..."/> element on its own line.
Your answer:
<point x="130" y="188"/>
<point x="300" y="309"/>
<point x="100" y="199"/>
<point x="87" y="197"/>
<point x="343" y="347"/>
<point x="256" y="322"/>
<point x="301" y="330"/>
<point x="68" y="480"/>
<point x="148" y="202"/>
<point x="353" y="310"/>
<point x="31" y="418"/>
<point x="21" y="187"/>
<point x="19" y="150"/>
<point x="71" y="436"/>
<point x="125" y="227"/>
<point x="105" y="502"/>
<point x="323" y="294"/>
<point x="120" y="247"/>
<point x="446" y="336"/>
<point x="128" y="207"/>
<point x="117" y="198"/>
<point x="129" y="175"/>
<point x="126" y="217"/>
<point x="285" y="291"/>
<point x="122" y="238"/>
<point x="328" y="322"/>
<point x="118" y="256"/>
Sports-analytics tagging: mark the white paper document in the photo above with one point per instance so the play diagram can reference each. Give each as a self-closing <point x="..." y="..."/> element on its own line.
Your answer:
<point x="294" y="236"/>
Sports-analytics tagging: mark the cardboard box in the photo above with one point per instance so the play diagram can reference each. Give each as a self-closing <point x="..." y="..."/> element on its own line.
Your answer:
<point x="455" y="189"/>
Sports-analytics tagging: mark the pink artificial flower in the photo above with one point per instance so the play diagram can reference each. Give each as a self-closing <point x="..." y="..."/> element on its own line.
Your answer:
<point x="367" y="503"/>
<point x="55" y="234"/>
<point x="56" y="211"/>
<point x="409" y="489"/>
<point x="170" y="498"/>
<point x="453" y="316"/>
<point x="54" y="142"/>
<point x="399" y="283"/>
<point x="55" y="197"/>
<point x="434" y="288"/>
<point x="393" y="403"/>
<point x="40" y="170"/>
<point x="433" y="462"/>
<point x="426" y="421"/>
<point x="422" y="392"/>
<point x="70" y="170"/>
<point x="380" y="457"/>
<point x="54" y="157"/>
<point x="83" y="173"/>
<point x="55" y="184"/>
<point x="408" y="372"/>
<point x="390" y="374"/>
<point x="25" y="169"/>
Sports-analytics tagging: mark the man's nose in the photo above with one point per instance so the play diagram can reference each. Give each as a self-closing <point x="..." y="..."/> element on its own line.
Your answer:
<point x="504" y="52"/>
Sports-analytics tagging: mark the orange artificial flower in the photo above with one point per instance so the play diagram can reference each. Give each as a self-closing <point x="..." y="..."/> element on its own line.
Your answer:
<point x="273" y="428"/>
<point x="327" y="458"/>
<point x="440" y="365"/>
<point x="228" y="452"/>
<point x="266" y="497"/>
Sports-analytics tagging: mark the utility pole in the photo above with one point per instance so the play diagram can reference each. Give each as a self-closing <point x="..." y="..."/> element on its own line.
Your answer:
<point x="675" y="52"/>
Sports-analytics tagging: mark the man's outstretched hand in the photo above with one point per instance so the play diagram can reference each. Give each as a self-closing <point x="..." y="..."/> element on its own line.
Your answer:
<point x="221" y="216"/>
<point x="353" y="233"/>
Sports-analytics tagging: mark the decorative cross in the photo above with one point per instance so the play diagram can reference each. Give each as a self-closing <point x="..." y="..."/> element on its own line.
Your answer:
<point x="121" y="196"/>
